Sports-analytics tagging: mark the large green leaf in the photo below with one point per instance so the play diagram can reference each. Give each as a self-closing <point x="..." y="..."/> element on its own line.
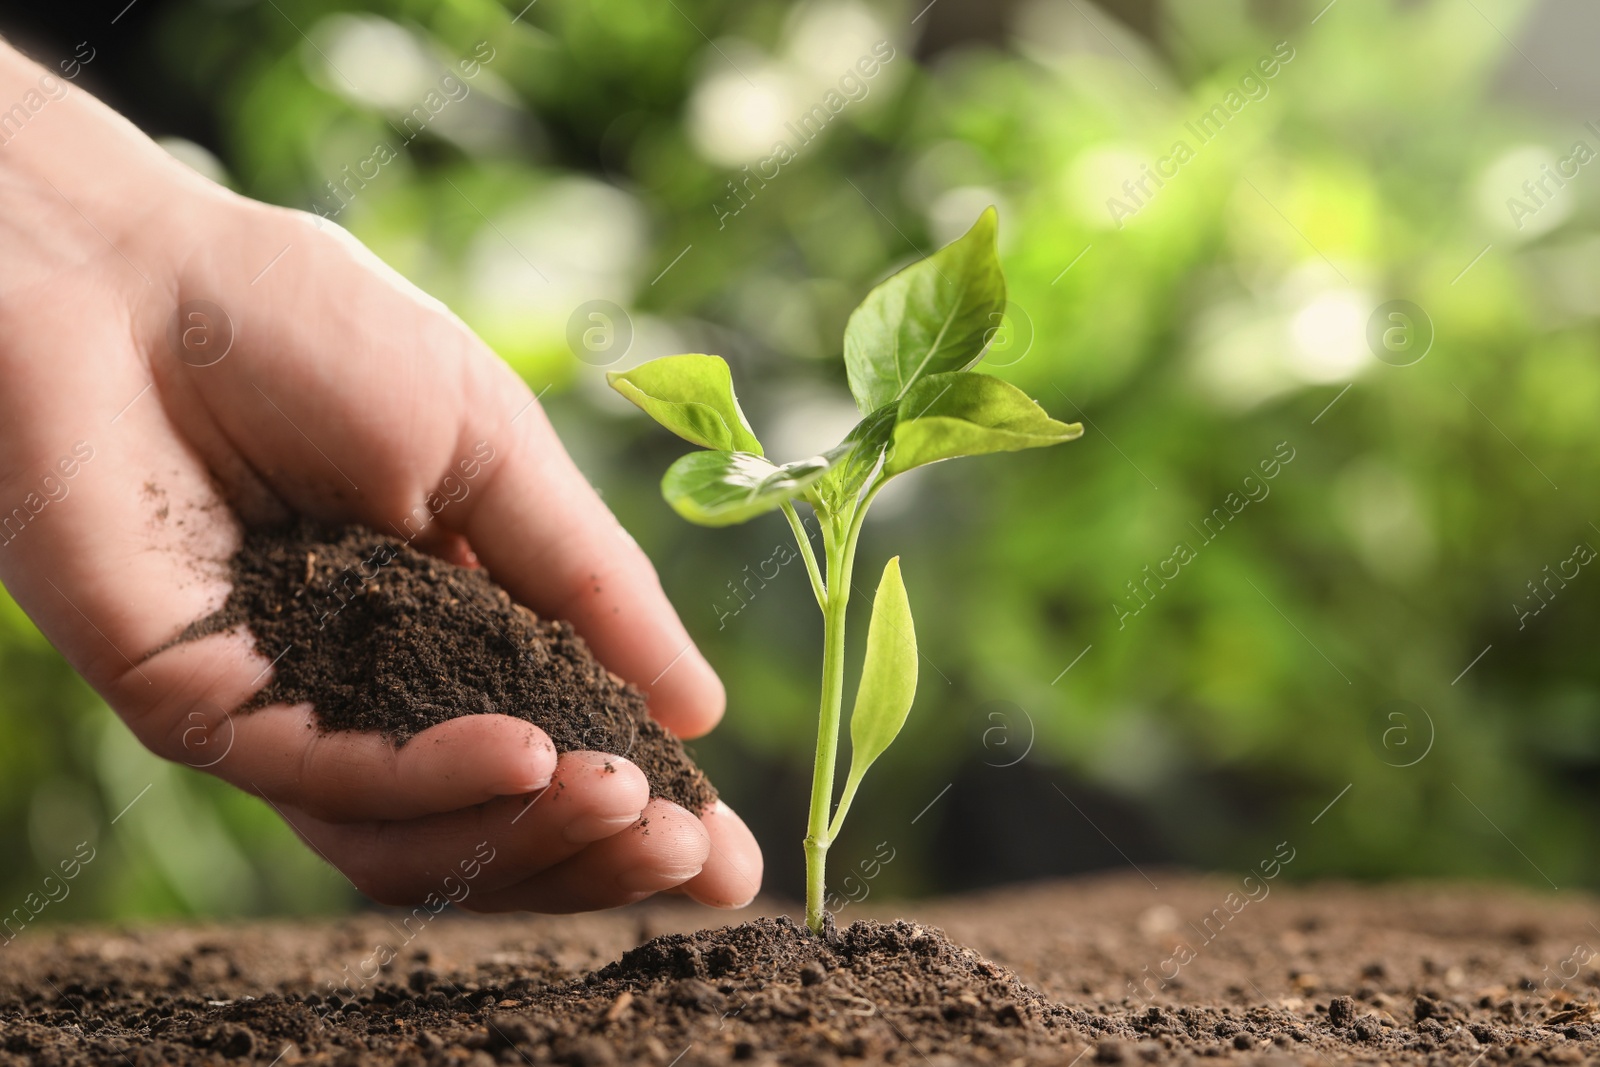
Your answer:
<point x="725" y="488"/>
<point x="935" y="316"/>
<point x="888" y="677"/>
<point x="967" y="414"/>
<point x="691" y="395"/>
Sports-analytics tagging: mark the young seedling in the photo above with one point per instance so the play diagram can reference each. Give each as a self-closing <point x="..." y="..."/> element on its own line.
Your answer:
<point x="909" y="350"/>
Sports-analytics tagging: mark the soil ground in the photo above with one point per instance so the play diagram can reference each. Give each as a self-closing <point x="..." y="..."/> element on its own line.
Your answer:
<point x="1318" y="975"/>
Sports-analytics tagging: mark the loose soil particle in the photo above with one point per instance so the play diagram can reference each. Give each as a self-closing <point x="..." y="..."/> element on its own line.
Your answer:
<point x="378" y="636"/>
<point x="1424" y="975"/>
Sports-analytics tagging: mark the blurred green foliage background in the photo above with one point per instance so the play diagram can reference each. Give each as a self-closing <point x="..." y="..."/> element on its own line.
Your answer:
<point x="1222" y="324"/>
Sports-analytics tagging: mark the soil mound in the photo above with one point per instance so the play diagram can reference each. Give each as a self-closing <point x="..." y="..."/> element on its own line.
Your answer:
<point x="378" y="636"/>
<point x="875" y="991"/>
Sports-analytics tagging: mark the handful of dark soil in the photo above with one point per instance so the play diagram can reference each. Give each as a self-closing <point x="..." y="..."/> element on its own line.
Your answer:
<point x="378" y="636"/>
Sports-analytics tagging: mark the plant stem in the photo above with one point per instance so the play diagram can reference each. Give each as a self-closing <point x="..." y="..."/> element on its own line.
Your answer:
<point x="841" y="558"/>
<point x="856" y="519"/>
<point x="800" y="535"/>
<point x="833" y="618"/>
<point x="848" y="559"/>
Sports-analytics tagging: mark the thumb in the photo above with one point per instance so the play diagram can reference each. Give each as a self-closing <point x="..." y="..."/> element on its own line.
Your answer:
<point x="543" y="532"/>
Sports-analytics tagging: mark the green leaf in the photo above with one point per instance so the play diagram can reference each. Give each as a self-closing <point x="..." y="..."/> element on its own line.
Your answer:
<point x="725" y="488"/>
<point x="854" y="460"/>
<point x="935" y="316"/>
<point x="888" y="678"/>
<point x="966" y="414"/>
<point x="691" y="395"/>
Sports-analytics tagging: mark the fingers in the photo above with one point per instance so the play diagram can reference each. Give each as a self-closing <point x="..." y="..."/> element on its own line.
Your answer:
<point x="283" y="754"/>
<point x="593" y="796"/>
<point x="665" y="848"/>
<point x="542" y="531"/>
<point x="347" y="776"/>
<point x="731" y="877"/>
<point x="591" y="840"/>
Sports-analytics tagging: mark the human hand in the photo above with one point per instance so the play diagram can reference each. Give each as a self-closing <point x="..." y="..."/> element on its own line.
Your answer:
<point x="347" y="394"/>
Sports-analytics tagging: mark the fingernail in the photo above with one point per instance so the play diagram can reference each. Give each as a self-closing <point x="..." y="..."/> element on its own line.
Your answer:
<point x="587" y="828"/>
<point x="724" y="905"/>
<point x="655" y="879"/>
<point x="533" y="783"/>
<point x="709" y="677"/>
<point x="537" y="767"/>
